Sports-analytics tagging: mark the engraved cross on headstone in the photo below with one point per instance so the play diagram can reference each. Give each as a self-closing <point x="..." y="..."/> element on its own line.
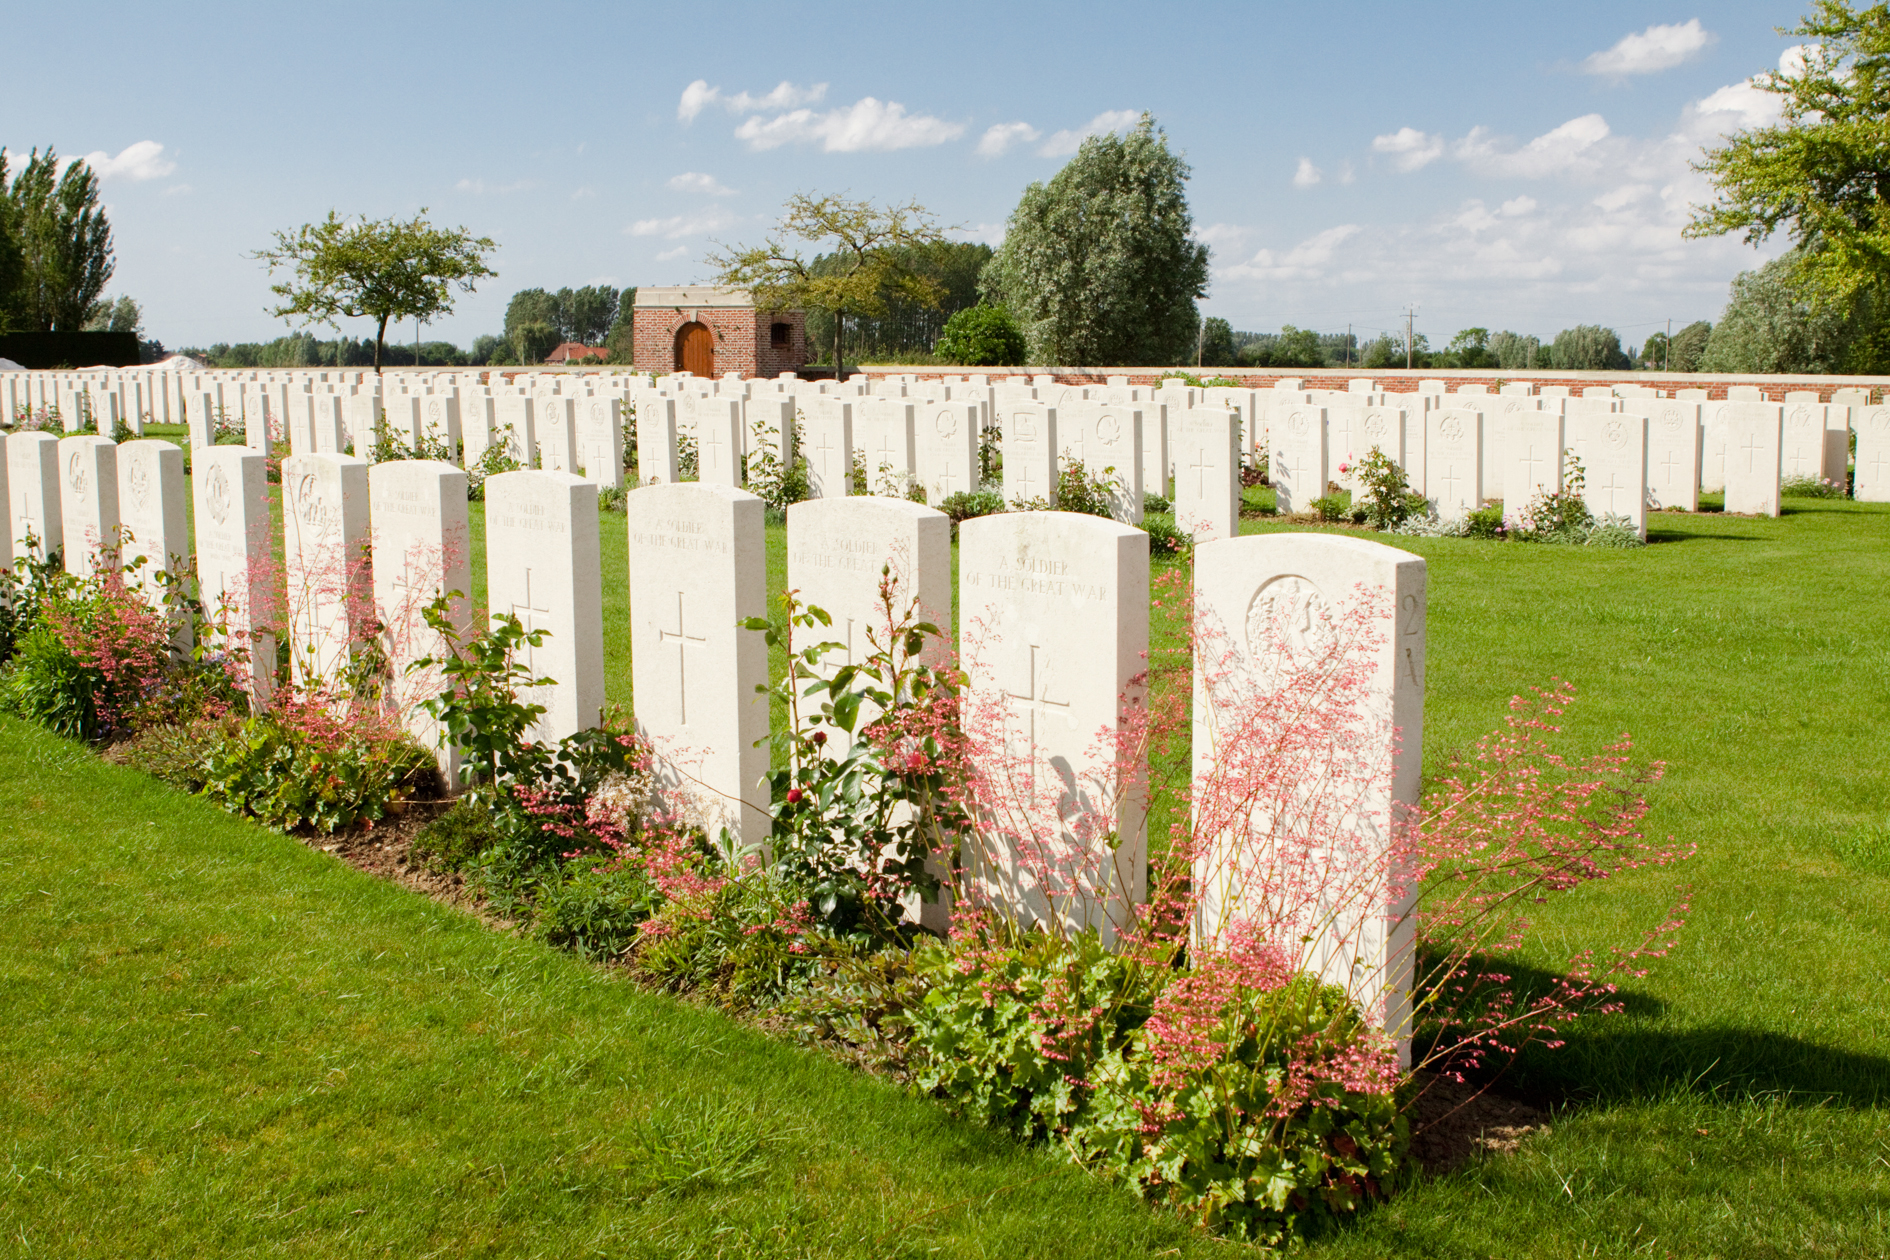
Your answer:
<point x="1752" y="449"/>
<point x="1035" y="700"/>
<point x="1201" y="465"/>
<point x="683" y="639"/>
<point x="1531" y="461"/>
<point x="1449" y="480"/>
<point x="528" y="614"/>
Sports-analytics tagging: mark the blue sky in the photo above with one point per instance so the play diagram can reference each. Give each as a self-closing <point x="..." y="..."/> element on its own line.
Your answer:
<point x="1518" y="166"/>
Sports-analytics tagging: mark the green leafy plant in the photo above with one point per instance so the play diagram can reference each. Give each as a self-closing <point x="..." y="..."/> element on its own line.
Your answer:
<point x="1487" y="521"/>
<point x="968" y="504"/>
<point x="981" y="336"/>
<point x="1559" y="515"/>
<point x="1165" y="538"/>
<point x="294" y="769"/>
<point x="1387" y="497"/>
<point x="1152" y="502"/>
<point x="1334" y="505"/>
<point x="777" y="481"/>
<point x="1805" y="486"/>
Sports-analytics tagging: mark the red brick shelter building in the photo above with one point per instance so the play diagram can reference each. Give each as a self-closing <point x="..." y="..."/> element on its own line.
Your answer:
<point x="709" y="330"/>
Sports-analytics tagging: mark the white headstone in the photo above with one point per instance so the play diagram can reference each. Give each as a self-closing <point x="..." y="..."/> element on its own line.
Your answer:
<point x="1107" y="439"/>
<point x="1533" y="450"/>
<point x="476" y="423"/>
<point x="422" y="550"/>
<point x="1269" y="609"/>
<point x="1054" y="636"/>
<point x="556" y="426"/>
<point x="33" y="509"/>
<point x="1754" y="435"/>
<point x="1873" y="455"/>
<point x="1297" y="464"/>
<point x="600" y="440"/>
<point x="1802" y="451"/>
<point x="945" y="435"/>
<point x="1673" y="455"/>
<point x="883" y="435"/>
<point x="717" y="426"/>
<point x="325" y="538"/>
<point x="1030" y="452"/>
<point x="1207" y="473"/>
<point x="235" y="560"/>
<point x="829" y="445"/>
<point x="514" y="424"/>
<point x="698" y="567"/>
<point x="1453" y="458"/>
<point x="656" y="439"/>
<point x="202" y="420"/>
<point x="1616" y="467"/>
<point x="88" y="503"/>
<point x="151" y="509"/>
<point x="544" y="566"/>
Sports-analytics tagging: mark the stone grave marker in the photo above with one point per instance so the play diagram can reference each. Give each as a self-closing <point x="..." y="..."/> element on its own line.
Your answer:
<point x="717" y="426"/>
<point x="512" y="420"/>
<point x="1108" y="441"/>
<point x="1453" y="454"/>
<point x="883" y="434"/>
<point x="422" y="544"/>
<point x="201" y="420"/>
<point x="697" y="568"/>
<point x="476" y="422"/>
<point x="325" y="538"/>
<point x="656" y="439"/>
<point x="1030" y="448"/>
<point x="151" y="509"/>
<point x="1616" y="467"/>
<point x="1054" y="636"/>
<point x="1873" y="455"/>
<point x="1207" y="466"/>
<point x="329" y="425"/>
<point x="828" y="425"/>
<point x="1299" y="458"/>
<point x="1755" y="433"/>
<point x="600" y="440"/>
<point x="88" y="503"/>
<point x="544" y="565"/>
<point x="771" y="421"/>
<point x="1269" y="608"/>
<point x="1533" y="461"/>
<point x="1802" y="452"/>
<point x="556" y="427"/>
<point x="1673" y="454"/>
<point x="945" y="438"/>
<point x="33" y="509"/>
<point x="235" y="559"/>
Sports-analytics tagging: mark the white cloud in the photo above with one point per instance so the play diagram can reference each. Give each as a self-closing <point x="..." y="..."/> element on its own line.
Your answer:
<point x="1569" y="149"/>
<point x="669" y="255"/>
<point x="1064" y="143"/>
<point x="698" y="96"/>
<point x="697" y="182"/>
<point x="1656" y="48"/>
<point x="1222" y="235"/>
<point x="1518" y="206"/>
<point x="867" y="126"/>
<point x="177" y="190"/>
<point x="1310" y="258"/>
<point x="141" y="161"/>
<point x="585" y="191"/>
<point x="1410" y="148"/>
<point x="678" y="226"/>
<point x="988" y="233"/>
<point x="1307" y="174"/>
<point x="999" y="137"/>
<point x="481" y="186"/>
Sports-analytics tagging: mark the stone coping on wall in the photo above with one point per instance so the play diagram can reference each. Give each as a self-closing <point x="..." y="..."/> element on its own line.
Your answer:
<point x="1405" y="381"/>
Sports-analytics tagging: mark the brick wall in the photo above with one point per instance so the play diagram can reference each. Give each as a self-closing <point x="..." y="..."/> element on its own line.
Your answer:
<point x="742" y="339"/>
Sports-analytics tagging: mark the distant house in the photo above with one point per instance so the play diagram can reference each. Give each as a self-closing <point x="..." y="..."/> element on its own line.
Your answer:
<point x="573" y="351"/>
<point x="708" y="330"/>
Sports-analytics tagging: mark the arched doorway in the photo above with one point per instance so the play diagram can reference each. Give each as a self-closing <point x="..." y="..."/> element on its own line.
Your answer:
<point x="695" y="349"/>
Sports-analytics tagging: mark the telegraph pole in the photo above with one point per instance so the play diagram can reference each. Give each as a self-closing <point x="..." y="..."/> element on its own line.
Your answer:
<point x="1409" y="352"/>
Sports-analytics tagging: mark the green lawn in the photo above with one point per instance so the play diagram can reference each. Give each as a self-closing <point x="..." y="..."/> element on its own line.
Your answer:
<point x="1741" y="1108"/>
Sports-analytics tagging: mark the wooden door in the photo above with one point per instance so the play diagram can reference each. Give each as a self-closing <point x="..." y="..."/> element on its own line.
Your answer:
<point x="695" y="350"/>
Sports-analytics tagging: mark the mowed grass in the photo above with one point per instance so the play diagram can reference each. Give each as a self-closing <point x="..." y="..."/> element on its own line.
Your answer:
<point x="1741" y="1106"/>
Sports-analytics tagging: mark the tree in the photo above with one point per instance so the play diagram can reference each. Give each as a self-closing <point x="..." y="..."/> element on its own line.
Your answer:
<point x="1217" y="343"/>
<point x="1100" y="265"/>
<point x="121" y="315"/>
<point x="1772" y="325"/>
<point x="1291" y="347"/>
<point x="981" y="336"/>
<point x="1513" y="351"/>
<point x="1588" y="348"/>
<point x="906" y="325"/>
<point x="872" y="261"/>
<point x="63" y="240"/>
<point x="1470" y="349"/>
<point x="378" y="269"/>
<point x="1688" y="347"/>
<point x="1822" y="172"/>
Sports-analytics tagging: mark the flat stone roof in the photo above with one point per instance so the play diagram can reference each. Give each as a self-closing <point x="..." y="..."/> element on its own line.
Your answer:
<point x="692" y="295"/>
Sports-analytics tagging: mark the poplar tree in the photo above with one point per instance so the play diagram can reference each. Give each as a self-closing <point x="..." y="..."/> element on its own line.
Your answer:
<point x="1100" y="265"/>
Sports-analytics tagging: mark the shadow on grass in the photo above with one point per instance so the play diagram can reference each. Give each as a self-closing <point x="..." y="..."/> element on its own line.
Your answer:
<point x="1632" y="1056"/>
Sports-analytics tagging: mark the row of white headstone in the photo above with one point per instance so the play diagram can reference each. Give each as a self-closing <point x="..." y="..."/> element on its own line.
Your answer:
<point x="1054" y="617"/>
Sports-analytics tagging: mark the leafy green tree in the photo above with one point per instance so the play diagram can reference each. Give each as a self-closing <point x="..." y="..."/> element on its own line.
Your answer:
<point x="1217" y="343"/>
<point x="981" y="336"/>
<point x="1588" y="348"/>
<point x="1689" y="347"/>
<point x="1100" y="265"/>
<point x="377" y="269"/>
<point x="1470" y="349"/>
<point x="586" y="314"/>
<point x="64" y="244"/>
<point x="1513" y="351"/>
<point x="532" y="306"/>
<point x="906" y="326"/>
<point x="1822" y="172"/>
<point x="1772" y="324"/>
<point x="620" y="338"/>
<point x="532" y="341"/>
<point x="120" y="315"/>
<point x="872" y="261"/>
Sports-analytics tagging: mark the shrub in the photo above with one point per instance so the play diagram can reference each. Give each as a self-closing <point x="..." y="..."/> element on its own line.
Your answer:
<point x="1165" y="538"/>
<point x="967" y="504"/>
<point x="1487" y="521"/>
<point x="1557" y="515"/>
<point x="981" y="336"/>
<point x="299" y="766"/>
<point x="500" y="457"/>
<point x="456" y="838"/>
<point x="1152" y="502"/>
<point x="1805" y="486"/>
<point x="1091" y="494"/>
<point x="1387" y="498"/>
